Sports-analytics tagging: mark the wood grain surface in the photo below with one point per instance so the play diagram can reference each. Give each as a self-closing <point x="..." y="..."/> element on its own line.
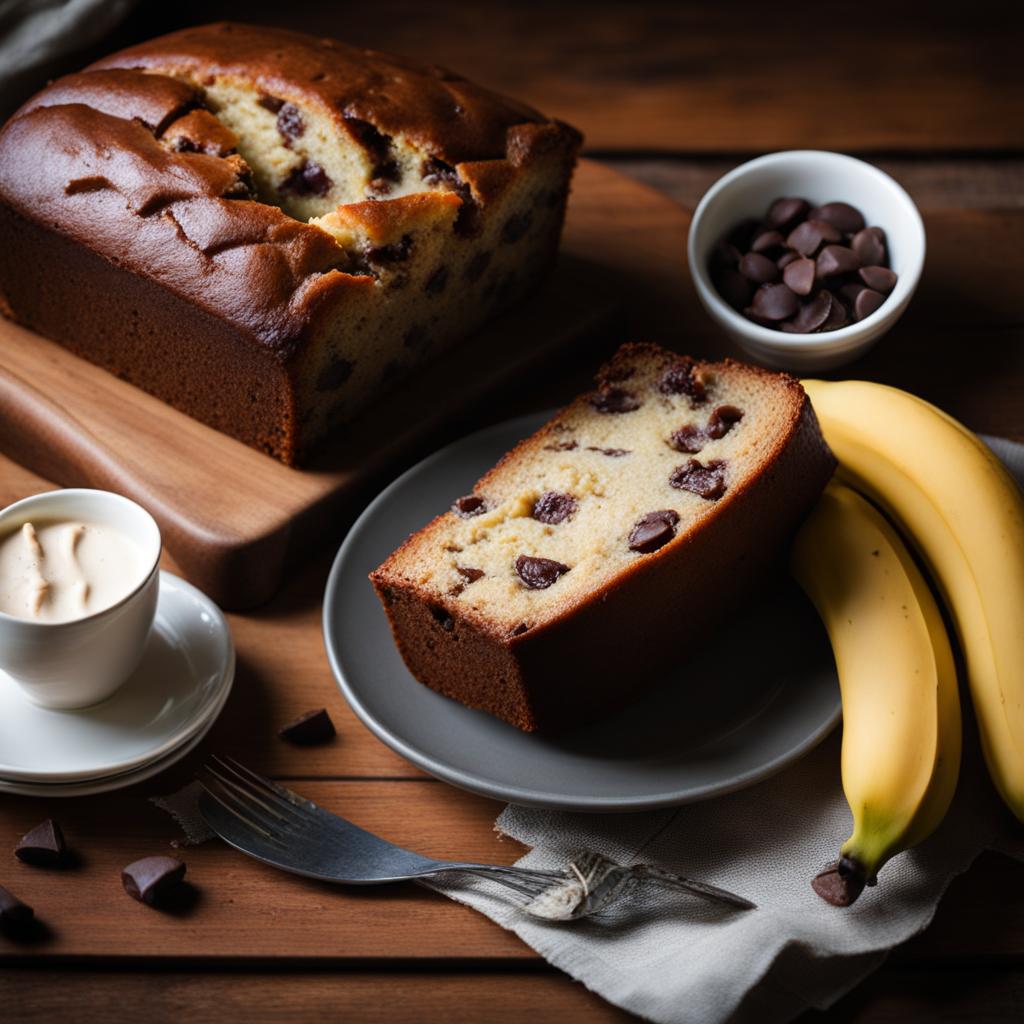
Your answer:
<point x="670" y="77"/>
<point x="664" y="90"/>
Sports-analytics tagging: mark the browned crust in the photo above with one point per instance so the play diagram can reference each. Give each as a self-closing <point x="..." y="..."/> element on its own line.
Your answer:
<point x="441" y="112"/>
<point x="596" y="651"/>
<point x="382" y="222"/>
<point x="147" y="335"/>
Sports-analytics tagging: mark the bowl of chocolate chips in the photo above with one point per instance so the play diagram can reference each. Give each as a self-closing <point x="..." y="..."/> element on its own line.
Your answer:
<point x="806" y="258"/>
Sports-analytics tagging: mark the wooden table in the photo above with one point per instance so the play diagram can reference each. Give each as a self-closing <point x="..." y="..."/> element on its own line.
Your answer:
<point x="662" y="92"/>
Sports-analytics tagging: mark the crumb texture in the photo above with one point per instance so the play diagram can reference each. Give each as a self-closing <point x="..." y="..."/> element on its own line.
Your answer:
<point x="597" y="547"/>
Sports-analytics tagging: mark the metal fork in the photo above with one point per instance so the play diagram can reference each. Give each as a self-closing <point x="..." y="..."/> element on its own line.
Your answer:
<point x="275" y="825"/>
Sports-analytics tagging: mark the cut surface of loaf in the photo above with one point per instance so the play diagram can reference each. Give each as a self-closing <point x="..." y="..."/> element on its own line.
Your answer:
<point x="269" y="230"/>
<point x="590" y="553"/>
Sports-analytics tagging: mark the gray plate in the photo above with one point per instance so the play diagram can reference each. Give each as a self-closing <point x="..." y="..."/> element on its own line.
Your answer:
<point x="756" y="697"/>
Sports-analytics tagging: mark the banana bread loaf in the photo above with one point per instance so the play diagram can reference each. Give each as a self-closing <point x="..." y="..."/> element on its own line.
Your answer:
<point x="266" y="229"/>
<point x="601" y="548"/>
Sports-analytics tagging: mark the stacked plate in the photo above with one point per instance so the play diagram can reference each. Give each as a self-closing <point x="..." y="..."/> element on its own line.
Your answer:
<point x="159" y="715"/>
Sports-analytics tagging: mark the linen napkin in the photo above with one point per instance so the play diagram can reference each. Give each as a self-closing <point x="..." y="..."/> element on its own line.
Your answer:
<point x="674" y="958"/>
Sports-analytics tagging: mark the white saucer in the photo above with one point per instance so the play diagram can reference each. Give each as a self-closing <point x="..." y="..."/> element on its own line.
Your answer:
<point x="172" y="697"/>
<point x="111" y="782"/>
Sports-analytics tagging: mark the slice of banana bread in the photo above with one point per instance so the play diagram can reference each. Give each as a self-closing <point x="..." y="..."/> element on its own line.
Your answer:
<point x="600" y="548"/>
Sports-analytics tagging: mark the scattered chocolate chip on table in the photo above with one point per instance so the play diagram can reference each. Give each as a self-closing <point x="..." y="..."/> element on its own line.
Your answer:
<point x="309" y="729"/>
<point x="43" y="845"/>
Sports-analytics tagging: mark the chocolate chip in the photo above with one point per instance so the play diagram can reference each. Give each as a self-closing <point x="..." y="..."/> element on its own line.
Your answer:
<point x="469" y="505"/>
<point x="539" y="573"/>
<point x="519" y="630"/>
<point x="836" y="259"/>
<point x="437" y="281"/>
<point x="724" y="255"/>
<point x="289" y="122"/>
<point x="309" y="729"/>
<point x="443" y="619"/>
<point x="733" y="287"/>
<point x="42" y="846"/>
<point x="786" y="258"/>
<point x="758" y="268"/>
<point x="612" y="453"/>
<point x="516" y="226"/>
<point x="151" y="879"/>
<point x="783" y="212"/>
<point x="367" y="135"/>
<point x="869" y="245"/>
<point x="767" y="240"/>
<point x="722" y="420"/>
<point x="334" y="374"/>
<point x="653" y="531"/>
<point x="308" y="179"/>
<point x="271" y="103"/>
<point x="386" y="255"/>
<point x="799" y="275"/>
<point x="838" y="315"/>
<point x="705" y="481"/>
<point x="687" y="439"/>
<point x="561" y="446"/>
<point x="614" y="400"/>
<point x="437" y="172"/>
<point x="469" y="574"/>
<point x="866" y="303"/>
<point x="813" y="314"/>
<point x="881" y="279"/>
<point x="807" y="238"/>
<point x="850" y="291"/>
<point x="680" y="379"/>
<point x="14" y="913"/>
<point x="842" y="216"/>
<point x="552" y="507"/>
<point x="774" y="302"/>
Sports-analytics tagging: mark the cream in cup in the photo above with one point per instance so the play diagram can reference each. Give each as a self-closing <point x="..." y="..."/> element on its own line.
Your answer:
<point x="79" y="581"/>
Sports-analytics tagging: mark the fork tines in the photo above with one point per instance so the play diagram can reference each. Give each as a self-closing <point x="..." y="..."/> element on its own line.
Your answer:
<point x="270" y="809"/>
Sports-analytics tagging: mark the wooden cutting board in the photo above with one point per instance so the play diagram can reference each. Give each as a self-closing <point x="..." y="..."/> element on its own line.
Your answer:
<point x="235" y="520"/>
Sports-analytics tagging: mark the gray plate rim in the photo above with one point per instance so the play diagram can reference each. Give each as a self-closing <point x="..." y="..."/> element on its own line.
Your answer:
<point x="509" y="791"/>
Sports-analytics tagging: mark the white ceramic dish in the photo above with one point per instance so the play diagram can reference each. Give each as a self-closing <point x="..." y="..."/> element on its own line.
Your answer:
<point x="180" y="685"/>
<point x="819" y="177"/>
<point x="81" y="662"/>
<point x="757" y="697"/>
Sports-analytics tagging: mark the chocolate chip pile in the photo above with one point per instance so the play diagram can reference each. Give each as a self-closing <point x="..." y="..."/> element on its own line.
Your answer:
<point x="804" y="269"/>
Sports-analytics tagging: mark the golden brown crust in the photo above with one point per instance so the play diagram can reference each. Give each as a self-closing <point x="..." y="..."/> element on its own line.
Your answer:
<point x="596" y="652"/>
<point x="439" y="111"/>
<point x="384" y="222"/>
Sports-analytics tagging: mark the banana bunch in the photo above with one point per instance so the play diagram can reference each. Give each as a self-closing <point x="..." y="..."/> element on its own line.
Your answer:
<point x="964" y="515"/>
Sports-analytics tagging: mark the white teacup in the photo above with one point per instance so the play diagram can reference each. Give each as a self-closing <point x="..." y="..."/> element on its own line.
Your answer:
<point x="80" y="662"/>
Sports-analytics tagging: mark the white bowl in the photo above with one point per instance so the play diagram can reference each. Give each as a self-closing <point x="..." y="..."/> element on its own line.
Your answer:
<point x="80" y="662"/>
<point x="821" y="177"/>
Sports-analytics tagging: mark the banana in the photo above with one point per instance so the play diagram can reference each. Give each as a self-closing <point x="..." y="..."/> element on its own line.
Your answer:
<point x="964" y="513"/>
<point x="901" y="709"/>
